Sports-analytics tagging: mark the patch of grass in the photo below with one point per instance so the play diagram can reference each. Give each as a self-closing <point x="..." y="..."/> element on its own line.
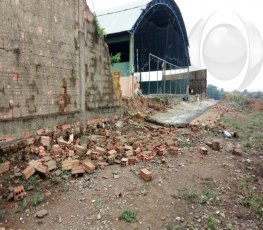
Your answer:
<point x="32" y="181"/>
<point x="99" y="202"/>
<point x="128" y="215"/>
<point x="211" y="225"/>
<point x="189" y="195"/>
<point x="100" y="32"/>
<point x="255" y="203"/>
<point x="36" y="200"/>
<point x="248" y="145"/>
<point x="206" y="196"/>
<point x="24" y="203"/>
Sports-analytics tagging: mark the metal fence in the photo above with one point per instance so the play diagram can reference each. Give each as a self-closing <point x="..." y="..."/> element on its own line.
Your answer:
<point x="164" y="78"/>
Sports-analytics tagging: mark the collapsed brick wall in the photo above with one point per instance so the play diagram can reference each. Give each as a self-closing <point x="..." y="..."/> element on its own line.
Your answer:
<point x="53" y="68"/>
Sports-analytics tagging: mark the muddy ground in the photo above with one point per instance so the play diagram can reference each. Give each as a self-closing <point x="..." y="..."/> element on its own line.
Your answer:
<point x="190" y="190"/>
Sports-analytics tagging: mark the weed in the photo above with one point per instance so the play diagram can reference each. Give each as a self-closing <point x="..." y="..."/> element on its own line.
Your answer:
<point x="36" y="199"/>
<point x="211" y="225"/>
<point x="99" y="202"/>
<point x="255" y="203"/>
<point x="100" y="32"/>
<point x="189" y="195"/>
<point x="32" y="181"/>
<point x="128" y="216"/>
<point x="248" y="145"/>
<point x="206" y="196"/>
<point x="24" y="203"/>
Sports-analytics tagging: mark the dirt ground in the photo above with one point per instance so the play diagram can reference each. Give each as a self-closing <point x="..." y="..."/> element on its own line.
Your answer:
<point x="188" y="190"/>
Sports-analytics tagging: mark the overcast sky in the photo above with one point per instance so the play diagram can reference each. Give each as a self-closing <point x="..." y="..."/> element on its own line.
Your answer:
<point x="194" y="10"/>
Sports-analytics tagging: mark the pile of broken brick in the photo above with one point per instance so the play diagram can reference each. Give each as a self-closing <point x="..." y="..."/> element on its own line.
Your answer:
<point x="105" y="145"/>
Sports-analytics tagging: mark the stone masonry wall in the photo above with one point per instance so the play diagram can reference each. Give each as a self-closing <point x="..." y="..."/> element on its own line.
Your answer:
<point x="54" y="70"/>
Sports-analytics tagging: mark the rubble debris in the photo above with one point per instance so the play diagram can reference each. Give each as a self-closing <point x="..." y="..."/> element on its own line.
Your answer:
<point x="45" y="140"/>
<point x="227" y="134"/>
<point x="237" y="152"/>
<point x="132" y="160"/>
<point x="215" y="145"/>
<point x="42" y="169"/>
<point x="77" y="170"/>
<point x="51" y="165"/>
<point x="67" y="165"/>
<point x="124" y="162"/>
<point x="19" y="193"/>
<point x="80" y="150"/>
<point x="88" y="166"/>
<point x="28" y="172"/>
<point x="173" y="150"/>
<point x="146" y="175"/>
<point x="42" y="213"/>
<point x="203" y="150"/>
<point x="4" y="167"/>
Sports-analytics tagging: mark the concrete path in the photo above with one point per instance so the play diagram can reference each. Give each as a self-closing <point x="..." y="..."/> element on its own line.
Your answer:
<point x="182" y="114"/>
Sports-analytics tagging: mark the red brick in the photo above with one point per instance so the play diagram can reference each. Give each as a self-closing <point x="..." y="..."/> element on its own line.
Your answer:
<point x="237" y="152"/>
<point x="100" y="150"/>
<point x="4" y="167"/>
<point x="203" y="150"/>
<point x="67" y="165"/>
<point x="132" y="160"/>
<point x="127" y="147"/>
<point x="124" y="162"/>
<point x="45" y="140"/>
<point x="42" y="169"/>
<point x="77" y="170"/>
<point x="146" y="175"/>
<point x="51" y="165"/>
<point x="19" y="193"/>
<point x="80" y="150"/>
<point x="112" y="152"/>
<point x="28" y="172"/>
<point x="173" y="150"/>
<point x="89" y="167"/>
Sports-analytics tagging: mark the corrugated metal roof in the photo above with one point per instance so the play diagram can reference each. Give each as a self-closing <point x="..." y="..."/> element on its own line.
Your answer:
<point x="121" y="18"/>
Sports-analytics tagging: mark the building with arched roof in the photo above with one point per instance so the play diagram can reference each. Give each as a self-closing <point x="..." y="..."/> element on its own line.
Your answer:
<point x="143" y="28"/>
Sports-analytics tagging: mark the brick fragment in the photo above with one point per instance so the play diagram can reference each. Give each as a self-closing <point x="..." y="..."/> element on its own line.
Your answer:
<point x="209" y="144"/>
<point x="132" y="160"/>
<point x="34" y="163"/>
<point x="4" y="167"/>
<point x="45" y="140"/>
<point x="111" y="159"/>
<point x="28" y="172"/>
<point x="173" y="150"/>
<point x="19" y="193"/>
<point x="127" y="147"/>
<point x="129" y="153"/>
<point x="124" y="162"/>
<point x="215" y="145"/>
<point x="146" y="175"/>
<point x="80" y="150"/>
<point x="237" y="152"/>
<point x="203" y="150"/>
<point x="88" y="166"/>
<point x="56" y="150"/>
<point x="77" y="170"/>
<point x="100" y="150"/>
<point x="42" y="169"/>
<point x="67" y="165"/>
<point x="51" y="165"/>
<point x="112" y="152"/>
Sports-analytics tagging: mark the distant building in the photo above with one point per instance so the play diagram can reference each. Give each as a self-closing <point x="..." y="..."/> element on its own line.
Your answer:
<point x="139" y="29"/>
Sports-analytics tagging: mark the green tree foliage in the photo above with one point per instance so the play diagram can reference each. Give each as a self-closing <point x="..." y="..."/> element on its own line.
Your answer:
<point x="214" y="93"/>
